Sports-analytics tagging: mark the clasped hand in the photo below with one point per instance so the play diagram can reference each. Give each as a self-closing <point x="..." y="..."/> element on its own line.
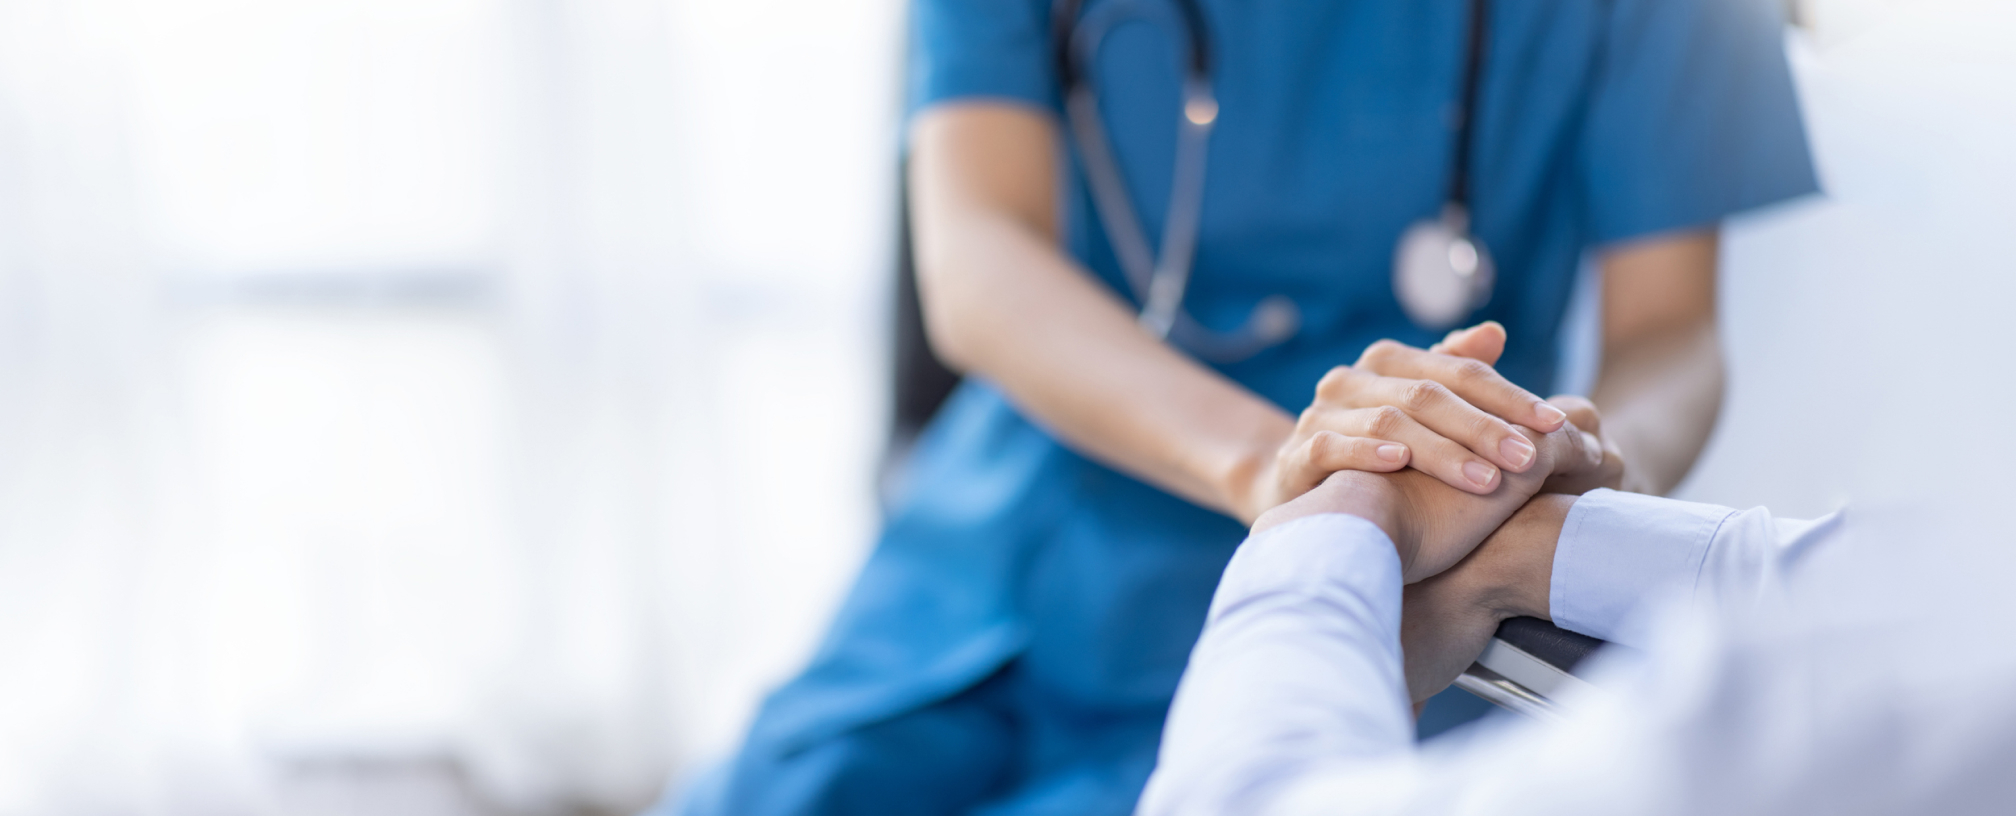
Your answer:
<point x="1466" y="568"/>
<point x="1442" y="411"/>
<point x="1433" y="526"/>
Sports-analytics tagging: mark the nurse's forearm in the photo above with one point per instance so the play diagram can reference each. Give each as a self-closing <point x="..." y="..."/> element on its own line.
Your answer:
<point x="1660" y="402"/>
<point x="1660" y="386"/>
<point x="1003" y="303"/>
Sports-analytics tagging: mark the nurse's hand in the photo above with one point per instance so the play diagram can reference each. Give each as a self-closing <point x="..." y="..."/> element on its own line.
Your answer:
<point x="1458" y="418"/>
<point x="1484" y="343"/>
<point x="1432" y="525"/>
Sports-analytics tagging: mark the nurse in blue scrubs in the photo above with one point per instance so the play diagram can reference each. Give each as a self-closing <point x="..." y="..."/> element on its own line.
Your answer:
<point x="1012" y="644"/>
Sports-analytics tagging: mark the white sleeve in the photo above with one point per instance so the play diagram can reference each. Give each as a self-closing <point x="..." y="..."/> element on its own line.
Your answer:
<point x="1621" y="553"/>
<point x="1295" y="705"/>
<point x="1299" y="661"/>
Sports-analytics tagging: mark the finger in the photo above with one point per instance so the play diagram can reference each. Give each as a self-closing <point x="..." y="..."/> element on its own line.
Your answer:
<point x="1583" y="418"/>
<point x="1449" y="416"/>
<point x="1326" y="452"/>
<point x="1581" y="412"/>
<point x="1484" y="342"/>
<point x="1429" y="452"/>
<point x="1572" y="450"/>
<point x="1475" y="381"/>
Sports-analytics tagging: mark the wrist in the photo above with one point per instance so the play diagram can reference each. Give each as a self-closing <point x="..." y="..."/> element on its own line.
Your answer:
<point x="1369" y="496"/>
<point x="1519" y="559"/>
<point x="1373" y="497"/>
<point x="1243" y="477"/>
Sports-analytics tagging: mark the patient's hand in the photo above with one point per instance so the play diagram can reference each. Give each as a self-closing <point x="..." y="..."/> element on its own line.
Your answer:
<point x="1448" y="618"/>
<point x="1451" y="616"/>
<point x="1432" y="525"/>
<point x="1607" y="470"/>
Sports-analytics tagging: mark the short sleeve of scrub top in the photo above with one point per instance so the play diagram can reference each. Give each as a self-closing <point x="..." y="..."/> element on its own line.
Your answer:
<point x="987" y="49"/>
<point x="1690" y="118"/>
<point x="1648" y="116"/>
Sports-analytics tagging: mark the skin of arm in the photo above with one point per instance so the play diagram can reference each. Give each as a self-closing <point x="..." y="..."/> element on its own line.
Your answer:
<point x="1447" y="619"/>
<point x="1000" y="300"/>
<point x="1661" y="380"/>
<point x="1003" y="302"/>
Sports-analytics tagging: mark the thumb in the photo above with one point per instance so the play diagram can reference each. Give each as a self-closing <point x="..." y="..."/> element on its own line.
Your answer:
<point x="1484" y="341"/>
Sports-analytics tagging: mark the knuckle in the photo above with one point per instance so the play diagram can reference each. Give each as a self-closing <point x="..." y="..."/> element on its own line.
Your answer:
<point x="1291" y="453"/>
<point x="1473" y="371"/>
<point x="1334" y="382"/>
<point x="1558" y="448"/>
<point x="1354" y="449"/>
<point x="1380" y="352"/>
<point x="1308" y="419"/>
<point x="1483" y="425"/>
<point x="1585" y="420"/>
<point x="1384" y="421"/>
<point x="1591" y="445"/>
<point x="1321" y="447"/>
<point x="1423" y="394"/>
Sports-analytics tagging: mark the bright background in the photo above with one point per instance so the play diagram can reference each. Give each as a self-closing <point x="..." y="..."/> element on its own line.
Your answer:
<point x="471" y="406"/>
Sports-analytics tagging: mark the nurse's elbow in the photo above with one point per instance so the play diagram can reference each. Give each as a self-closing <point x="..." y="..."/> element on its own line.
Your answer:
<point x="949" y="323"/>
<point x="951" y="341"/>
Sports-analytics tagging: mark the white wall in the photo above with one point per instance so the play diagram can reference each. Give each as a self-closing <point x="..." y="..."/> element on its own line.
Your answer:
<point x="490" y="388"/>
<point x="1865" y="330"/>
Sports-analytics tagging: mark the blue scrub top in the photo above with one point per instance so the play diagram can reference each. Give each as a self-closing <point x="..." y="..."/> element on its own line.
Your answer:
<point x="1599" y="121"/>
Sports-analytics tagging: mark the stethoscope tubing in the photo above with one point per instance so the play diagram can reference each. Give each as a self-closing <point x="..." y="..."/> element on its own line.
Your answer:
<point x="1159" y="280"/>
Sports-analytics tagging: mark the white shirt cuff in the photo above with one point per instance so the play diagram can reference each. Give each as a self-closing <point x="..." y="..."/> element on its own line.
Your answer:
<point x="1317" y="555"/>
<point x="1619" y="551"/>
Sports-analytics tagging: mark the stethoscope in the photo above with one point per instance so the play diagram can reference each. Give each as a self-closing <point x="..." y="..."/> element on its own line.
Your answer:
<point x="1441" y="272"/>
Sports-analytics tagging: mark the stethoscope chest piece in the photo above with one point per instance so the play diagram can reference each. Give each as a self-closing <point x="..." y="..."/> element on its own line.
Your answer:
<point x="1440" y="272"/>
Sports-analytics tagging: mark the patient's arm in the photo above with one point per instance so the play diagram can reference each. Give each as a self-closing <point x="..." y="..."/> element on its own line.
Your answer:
<point x="1295" y="700"/>
<point x="1592" y="565"/>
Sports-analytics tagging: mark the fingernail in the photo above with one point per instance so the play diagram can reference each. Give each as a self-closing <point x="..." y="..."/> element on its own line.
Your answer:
<point x="1480" y="474"/>
<point x="1548" y="414"/>
<point x="1516" y="450"/>
<point x="1392" y="453"/>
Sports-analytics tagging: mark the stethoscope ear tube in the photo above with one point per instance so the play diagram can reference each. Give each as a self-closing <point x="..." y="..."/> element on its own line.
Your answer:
<point x="1186" y="204"/>
<point x="1109" y="192"/>
<point x="1159" y="280"/>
